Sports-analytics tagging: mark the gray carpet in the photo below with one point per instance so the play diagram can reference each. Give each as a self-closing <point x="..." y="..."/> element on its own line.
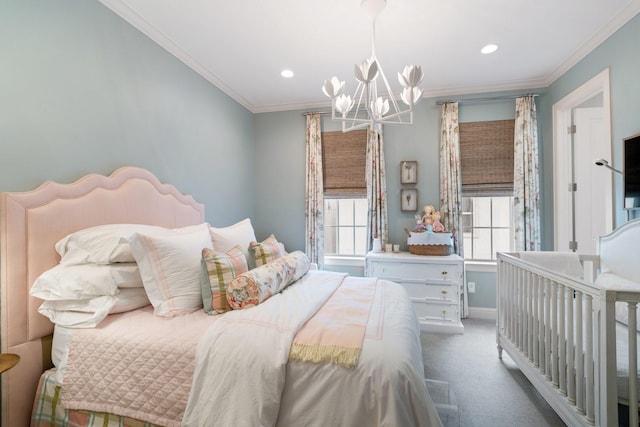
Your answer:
<point x="488" y="391"/>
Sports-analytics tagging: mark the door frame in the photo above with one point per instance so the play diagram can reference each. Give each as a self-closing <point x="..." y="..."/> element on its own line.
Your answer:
<point x="562" y="119"/>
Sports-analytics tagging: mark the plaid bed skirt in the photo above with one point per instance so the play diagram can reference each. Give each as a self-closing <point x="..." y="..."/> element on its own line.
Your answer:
<point x="48" y="412"/>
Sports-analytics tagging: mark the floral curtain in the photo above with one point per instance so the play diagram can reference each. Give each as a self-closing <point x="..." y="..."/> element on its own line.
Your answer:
<point x="526" y="193"/>
<point x="377" y="221"/>
<point x="314" y="210"/>
<point x="450" y="177"/>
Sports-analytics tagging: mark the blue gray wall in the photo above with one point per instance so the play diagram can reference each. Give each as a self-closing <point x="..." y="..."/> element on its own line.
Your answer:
<point x="82" y="91"/>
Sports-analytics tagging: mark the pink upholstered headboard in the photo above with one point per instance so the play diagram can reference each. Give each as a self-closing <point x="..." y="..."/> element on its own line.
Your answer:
<point x="30" y="224"/>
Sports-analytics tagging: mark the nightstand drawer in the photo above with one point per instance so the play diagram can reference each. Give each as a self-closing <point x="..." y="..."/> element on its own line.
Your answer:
<point x="397" y="271"/>
<point x="436" y="312"/>
<point x="432" y="292"/>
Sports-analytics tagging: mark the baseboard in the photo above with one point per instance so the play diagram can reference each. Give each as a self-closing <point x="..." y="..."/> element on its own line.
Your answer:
<point x="482" y="313"/>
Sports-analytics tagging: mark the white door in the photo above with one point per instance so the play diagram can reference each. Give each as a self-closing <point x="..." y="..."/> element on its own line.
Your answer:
<point x="588" y="108"/>
<point x="592" y="182"/>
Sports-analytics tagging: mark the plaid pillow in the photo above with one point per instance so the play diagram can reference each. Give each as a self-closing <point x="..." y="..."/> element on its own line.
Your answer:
<point x="269" y="250"/>
<point x="218" y="270"/>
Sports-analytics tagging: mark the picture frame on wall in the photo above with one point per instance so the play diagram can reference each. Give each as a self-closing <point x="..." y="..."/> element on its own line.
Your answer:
<point x="409" y="172"/>
<point x="409" y="199"/>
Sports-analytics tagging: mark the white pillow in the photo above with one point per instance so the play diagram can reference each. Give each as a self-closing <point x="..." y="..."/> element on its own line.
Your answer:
<point x="103" y="244"/>
<point x="170" y="268"/>
<point x="73" y="282"/>
<point x="239" y="234"/>
<point x="88" y="313"/>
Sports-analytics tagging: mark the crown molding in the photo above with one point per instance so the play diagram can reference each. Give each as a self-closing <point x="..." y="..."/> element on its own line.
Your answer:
<point x="137" y="21"/>
<point x="146" y="28"/>
<point x="603" y="34"/>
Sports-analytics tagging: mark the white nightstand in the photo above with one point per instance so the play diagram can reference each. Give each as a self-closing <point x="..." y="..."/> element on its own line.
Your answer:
<point x="432" y="282"/>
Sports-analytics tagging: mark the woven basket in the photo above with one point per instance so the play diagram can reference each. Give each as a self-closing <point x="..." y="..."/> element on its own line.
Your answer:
<point x="432" y="250"/>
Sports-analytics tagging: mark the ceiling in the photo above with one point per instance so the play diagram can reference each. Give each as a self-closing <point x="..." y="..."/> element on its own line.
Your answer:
<point x="241" y="46"/>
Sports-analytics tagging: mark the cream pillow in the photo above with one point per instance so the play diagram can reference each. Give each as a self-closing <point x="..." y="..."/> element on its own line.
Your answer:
<point x="170" y="268"/>
<point x="88" y="313"/>
<point x="239" y="234"/>
<point x="102" y="244"/>
<point x="64" y="282"/>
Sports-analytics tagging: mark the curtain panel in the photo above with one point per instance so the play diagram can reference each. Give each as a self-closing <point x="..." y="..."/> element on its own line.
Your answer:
<point x="377" y="220"/>
<point x="314" y="209"/>
<point x="526" y="191"/>
<point x="450" y="175"/>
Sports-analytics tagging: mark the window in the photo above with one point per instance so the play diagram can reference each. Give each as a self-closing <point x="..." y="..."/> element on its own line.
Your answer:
<point x="486" y="159"/>
<point x="345" y="193"/>
<point x="486" y="226"/>
<point x="345" y="227"/>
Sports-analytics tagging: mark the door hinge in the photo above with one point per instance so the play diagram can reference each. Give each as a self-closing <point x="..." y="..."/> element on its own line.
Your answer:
<point x="573" y="187"/>
<point x="573" y="245"/>
<point x="571" y="129"/>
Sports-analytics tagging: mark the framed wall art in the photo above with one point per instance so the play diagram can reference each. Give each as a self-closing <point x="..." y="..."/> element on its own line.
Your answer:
<point x="409" y="172"/>
<point x="409" y="200"/>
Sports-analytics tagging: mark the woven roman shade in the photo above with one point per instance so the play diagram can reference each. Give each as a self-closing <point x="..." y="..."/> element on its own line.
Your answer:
<point x="486" y="158"/>
<point x="344" y="157"/>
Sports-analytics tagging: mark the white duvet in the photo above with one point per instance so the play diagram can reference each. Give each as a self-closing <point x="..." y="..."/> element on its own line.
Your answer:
<point x="239" y="374"/>
<point x="242" y="377"/>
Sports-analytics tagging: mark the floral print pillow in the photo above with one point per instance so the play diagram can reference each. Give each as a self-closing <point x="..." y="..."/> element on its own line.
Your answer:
<point x="253" y="287"/>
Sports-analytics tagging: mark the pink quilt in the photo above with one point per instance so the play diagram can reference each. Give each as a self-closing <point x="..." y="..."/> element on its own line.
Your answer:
<point x="135" y="364"/>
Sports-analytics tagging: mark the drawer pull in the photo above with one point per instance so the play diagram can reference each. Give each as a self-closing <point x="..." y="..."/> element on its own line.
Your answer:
<point x="444" y="275"/>
<point x="444" y="294"/>
<point x="444" y="314"/>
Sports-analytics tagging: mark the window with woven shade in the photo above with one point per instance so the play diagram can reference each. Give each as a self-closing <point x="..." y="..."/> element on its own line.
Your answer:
<point x="345" y="193"/>
<point x="486" y="158"/>
<point x="344" y="157"/>
<point x="486" y="163"/>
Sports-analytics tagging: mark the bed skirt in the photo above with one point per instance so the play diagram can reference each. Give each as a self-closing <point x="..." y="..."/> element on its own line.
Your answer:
<point x="47" y="410"/>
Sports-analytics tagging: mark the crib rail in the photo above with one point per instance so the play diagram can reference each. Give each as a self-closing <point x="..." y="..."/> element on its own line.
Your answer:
<point x="560" y="331"/>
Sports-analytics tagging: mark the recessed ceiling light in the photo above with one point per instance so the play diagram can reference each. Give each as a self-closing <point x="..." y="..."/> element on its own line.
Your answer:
<point x="287" y="74"/>
<point x="490" y="48"/>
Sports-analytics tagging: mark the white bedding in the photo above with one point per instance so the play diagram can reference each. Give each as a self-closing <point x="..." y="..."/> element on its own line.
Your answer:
<point x="387" y="384"/>
<point x="385" y="388"/>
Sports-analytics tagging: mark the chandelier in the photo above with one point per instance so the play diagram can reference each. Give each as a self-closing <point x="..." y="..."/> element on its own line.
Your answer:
<point x="368" y="106"/>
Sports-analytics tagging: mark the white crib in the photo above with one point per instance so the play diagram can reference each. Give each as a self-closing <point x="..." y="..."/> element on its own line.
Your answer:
<point x="561" y="330"/>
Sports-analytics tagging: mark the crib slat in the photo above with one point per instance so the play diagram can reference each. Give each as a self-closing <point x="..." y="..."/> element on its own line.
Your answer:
<point x="562" y="344"/>
<point x="547" y="322"/>
<point x="590" y="390"/>
<point x="579" y="355"/>
<point x="554" y="334"/>
<point x="633" y="365"/>
<point x="534" y="315"/>
<point x="541" y="324"/>
<point x="571" y="383"/>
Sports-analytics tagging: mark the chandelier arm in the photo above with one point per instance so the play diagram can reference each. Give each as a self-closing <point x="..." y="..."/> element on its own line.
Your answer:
<point x="392" y="98"/>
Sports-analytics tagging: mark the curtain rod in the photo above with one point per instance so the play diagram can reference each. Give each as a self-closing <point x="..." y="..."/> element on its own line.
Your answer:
<point x="491" y="99"/>
<point x="316" y="112"/>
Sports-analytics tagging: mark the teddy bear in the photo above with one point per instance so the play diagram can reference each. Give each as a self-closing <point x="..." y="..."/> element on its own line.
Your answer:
<point x="437" y="225"/>
<point x="427" y="218"/>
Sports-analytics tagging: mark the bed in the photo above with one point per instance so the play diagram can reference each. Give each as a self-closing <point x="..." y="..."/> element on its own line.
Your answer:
<point x="569" y="322"/>
<point x="216" y="365"/>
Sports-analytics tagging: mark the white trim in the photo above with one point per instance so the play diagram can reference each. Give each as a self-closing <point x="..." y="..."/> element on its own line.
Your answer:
<point x="481" y="266"/>
<point x="349" y="261"/>
<point x="134" y="18"/>
<point x="604" y="33"/>
<point x="483" y="313"/>
<point x="562" y="114"/>
<point x="145" y="27"/>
